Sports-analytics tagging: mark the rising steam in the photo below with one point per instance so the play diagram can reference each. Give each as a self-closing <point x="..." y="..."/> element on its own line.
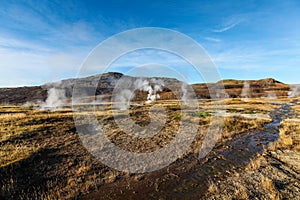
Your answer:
<point x="271" y="95"/>
<point x="294" y="91"/>
<point x="246" y="91"/>
<point x="56" y="99"/>
<point x="184" y="92"/>
<point x="152" y="87"/>
<point x="124" y="95"/>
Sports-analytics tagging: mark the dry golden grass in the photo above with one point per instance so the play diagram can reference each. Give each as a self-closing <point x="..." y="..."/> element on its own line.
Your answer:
<point x="241" y="192"/>
<point x="289" y="136"/>
<point x="297" y="108"/>
<point x="236" y="125"/>
<point x="273" y="100"/>
<point x="22" y="139"/>
<point x="17" y="121"/>
<point x="12" y="153"/>
<point x="21" y="130"/>
<point x="267" y="184"/>
<point x="256" y="163"/>
<point x="236" y="190"/>
<point x="12" y="116"/>
<point x="213" y="189"/>
<point x="252" y="106"/>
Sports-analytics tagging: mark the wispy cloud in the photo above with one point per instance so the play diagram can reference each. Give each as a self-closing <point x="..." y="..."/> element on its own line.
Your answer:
<point x="22" y="45"/>
<point x="250" y="58"/>
<point x="228" y="26"/>
<point x="212" y="39"/>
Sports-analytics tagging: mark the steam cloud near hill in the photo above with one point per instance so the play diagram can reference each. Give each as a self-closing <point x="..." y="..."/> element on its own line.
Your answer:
<point x="151" y="86"/>
<point x="246" y="91"/>
<point x="294" y="91"/>
<point x="56" y="99"/>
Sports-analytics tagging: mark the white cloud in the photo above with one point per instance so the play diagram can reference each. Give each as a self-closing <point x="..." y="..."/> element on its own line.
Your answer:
<point x="25" y="63"/>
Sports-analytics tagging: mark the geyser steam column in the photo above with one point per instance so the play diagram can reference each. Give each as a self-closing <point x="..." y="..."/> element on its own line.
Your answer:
<point x="100" y="59"/>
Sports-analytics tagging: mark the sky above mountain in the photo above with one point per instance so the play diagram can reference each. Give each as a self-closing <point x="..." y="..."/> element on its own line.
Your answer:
<point x="44" y="41"/>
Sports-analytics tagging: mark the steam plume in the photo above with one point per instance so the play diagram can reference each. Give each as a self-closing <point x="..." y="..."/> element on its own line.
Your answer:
<point x="56" y="99"/>
<point x="152" y="87"/>
<point x="184" y="92"/>
<point x="294" y="91"/>
<point x="246" y="91"/>
<point x="126" y="89"/>
<point x="271" y="95"/>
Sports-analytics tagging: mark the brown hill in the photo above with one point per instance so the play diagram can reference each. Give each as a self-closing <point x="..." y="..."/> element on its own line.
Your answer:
<point x="252" y="88"/>
<point x="234" y="88"/>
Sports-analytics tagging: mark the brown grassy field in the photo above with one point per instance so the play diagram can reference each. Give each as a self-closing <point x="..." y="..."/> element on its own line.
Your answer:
<point x="42" y="156"/>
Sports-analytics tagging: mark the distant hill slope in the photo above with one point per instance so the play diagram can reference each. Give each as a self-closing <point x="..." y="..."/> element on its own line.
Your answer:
<point x="246" y="88"/>
<point x="234" y="88"/>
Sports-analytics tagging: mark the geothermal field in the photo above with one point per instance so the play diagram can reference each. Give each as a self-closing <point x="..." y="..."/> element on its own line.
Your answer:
<point x="256" y="154"/>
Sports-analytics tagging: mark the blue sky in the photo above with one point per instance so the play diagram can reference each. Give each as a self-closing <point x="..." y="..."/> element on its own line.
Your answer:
<point x="43" y="41"/>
